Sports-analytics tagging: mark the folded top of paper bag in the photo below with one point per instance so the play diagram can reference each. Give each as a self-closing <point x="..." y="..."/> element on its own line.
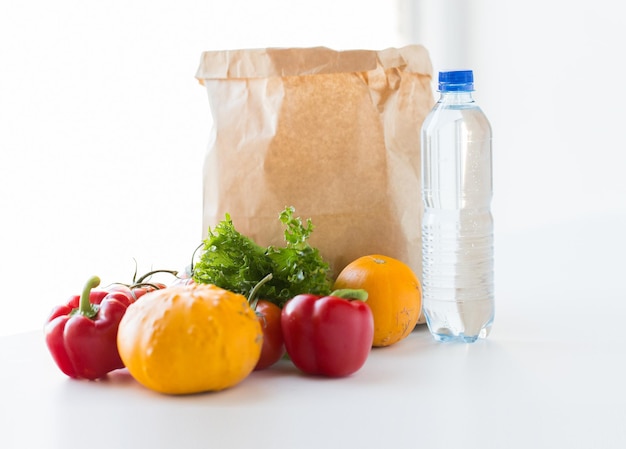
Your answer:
<point x="268" y="62"/>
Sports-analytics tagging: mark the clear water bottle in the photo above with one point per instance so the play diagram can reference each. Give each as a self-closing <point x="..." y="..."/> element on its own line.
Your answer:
<point x="457" y="227"/>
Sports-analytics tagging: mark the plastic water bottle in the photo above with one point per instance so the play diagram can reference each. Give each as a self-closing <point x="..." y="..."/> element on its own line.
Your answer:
<point x="457" y="227"/>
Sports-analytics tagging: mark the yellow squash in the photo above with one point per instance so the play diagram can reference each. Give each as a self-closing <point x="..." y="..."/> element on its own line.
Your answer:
<point x="190" y="339"/>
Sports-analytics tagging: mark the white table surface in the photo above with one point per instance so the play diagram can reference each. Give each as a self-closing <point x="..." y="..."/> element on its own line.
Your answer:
<point x="552" y="374"/>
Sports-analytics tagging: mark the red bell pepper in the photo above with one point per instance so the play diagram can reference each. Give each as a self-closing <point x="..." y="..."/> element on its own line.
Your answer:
<point x="82" y="335"/>
<point x="327" y="335"/>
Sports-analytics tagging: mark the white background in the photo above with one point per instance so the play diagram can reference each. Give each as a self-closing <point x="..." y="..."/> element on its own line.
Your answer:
<point x="103" y="127"/>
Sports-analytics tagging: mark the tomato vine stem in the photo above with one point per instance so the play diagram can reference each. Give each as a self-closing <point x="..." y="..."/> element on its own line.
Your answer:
<point x="252" y="299"/>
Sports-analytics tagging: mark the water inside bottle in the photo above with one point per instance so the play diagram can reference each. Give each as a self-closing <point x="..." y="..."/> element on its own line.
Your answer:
<point x="457" y="227"/>
<point x="458" y="273"/>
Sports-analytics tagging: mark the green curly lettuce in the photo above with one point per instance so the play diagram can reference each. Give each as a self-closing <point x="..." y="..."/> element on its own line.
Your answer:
<point x="234" y="262"/>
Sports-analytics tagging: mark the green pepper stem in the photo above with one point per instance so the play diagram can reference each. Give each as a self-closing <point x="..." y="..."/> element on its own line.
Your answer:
<point x="351" y="293"/>
<point x="85" y="307"/>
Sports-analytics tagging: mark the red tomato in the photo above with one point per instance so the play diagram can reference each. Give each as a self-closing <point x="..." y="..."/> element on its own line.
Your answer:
<point x="141" y="290"/>
<point x="273" y="344"/>
<point x="135" y="292"/>
<point x="122" y="289"/>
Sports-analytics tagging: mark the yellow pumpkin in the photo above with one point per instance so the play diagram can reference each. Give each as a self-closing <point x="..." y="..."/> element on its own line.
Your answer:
<point x="189" y="339"/>
<point x="394" y="295"/>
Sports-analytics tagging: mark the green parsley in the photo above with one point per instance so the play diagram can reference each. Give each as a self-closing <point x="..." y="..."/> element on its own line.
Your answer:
<point x="234" y="262"/>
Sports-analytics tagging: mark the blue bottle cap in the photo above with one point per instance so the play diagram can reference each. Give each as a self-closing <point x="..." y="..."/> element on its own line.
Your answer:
<point x="456" y="81"/>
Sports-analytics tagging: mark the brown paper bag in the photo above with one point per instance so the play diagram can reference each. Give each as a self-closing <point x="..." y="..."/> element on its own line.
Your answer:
<point x="334" y="134"/>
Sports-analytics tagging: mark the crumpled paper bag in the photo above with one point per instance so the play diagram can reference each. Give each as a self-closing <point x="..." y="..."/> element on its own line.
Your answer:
<point x="335" y="134"/>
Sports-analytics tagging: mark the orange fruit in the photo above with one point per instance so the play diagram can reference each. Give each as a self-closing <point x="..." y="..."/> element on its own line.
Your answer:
<point x="394" y="295"/>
